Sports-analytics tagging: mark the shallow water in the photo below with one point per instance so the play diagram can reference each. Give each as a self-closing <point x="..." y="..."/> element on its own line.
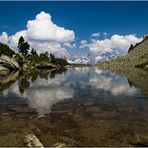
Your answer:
<point x="79" y="107"/>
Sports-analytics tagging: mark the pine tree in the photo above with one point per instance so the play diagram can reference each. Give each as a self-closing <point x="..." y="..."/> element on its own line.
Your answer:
<point x="23" y="46"/>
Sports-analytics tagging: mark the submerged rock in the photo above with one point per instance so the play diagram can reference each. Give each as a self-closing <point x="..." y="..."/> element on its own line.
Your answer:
<point x="59" y="145"/>
<point x="140" y="140"/>
<point x="32" y="141"/>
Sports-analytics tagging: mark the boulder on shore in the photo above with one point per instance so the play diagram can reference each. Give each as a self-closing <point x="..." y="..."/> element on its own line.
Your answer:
<point x="8" y="63"/>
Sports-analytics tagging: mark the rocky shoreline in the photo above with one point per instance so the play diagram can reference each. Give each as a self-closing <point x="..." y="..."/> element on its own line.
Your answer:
<point x="10" y="65"/>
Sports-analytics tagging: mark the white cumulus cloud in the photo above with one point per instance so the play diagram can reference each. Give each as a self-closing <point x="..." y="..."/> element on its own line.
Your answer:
<point x="43" y="29"/>
<point x="4" y="37"/>
<point x="117" y="43"/>
<point x="43" y="35"/>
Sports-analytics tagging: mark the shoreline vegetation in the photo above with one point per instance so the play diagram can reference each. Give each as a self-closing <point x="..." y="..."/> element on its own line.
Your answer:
<point x="27" y="59"/>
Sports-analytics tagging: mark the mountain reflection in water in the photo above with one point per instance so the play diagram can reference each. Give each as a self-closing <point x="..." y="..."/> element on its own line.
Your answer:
<point x="85" y="98"/>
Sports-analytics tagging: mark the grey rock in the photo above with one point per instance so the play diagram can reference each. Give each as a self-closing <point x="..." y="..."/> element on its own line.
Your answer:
<point x="8" y="62"/>
<point x="59" y="145"/>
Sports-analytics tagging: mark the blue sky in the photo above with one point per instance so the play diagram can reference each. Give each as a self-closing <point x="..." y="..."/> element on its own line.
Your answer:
<point x="84" y="18"/>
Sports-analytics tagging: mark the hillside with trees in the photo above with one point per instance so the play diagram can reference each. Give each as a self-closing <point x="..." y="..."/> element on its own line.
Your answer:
<point x="27" y="58"/>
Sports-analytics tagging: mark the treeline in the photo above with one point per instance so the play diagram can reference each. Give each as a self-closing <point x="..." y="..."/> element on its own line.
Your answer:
<point x="28" y="55"/>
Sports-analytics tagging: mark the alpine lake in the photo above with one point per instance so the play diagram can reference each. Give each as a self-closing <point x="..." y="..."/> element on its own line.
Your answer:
<point x="79" y="106"/>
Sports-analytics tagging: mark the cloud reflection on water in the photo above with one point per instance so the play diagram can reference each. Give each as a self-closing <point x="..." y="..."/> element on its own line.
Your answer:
<point x="42" y="93"/>
<point x="116" y="85"/>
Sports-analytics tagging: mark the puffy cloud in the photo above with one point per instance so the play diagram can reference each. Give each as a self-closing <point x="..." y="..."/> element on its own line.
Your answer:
<point x="97" y="34"/>
<point x="100" y="46"/>
<point x="83" y="42"/>
<point x="43" y="29"/>
<point x="52" y="47"/>
<point x="123" y="42"/>
<point x="43" y="35"/>
<point x="117" y="43"/>
<point x="4" y="37"/>
<point x="13" y="40"/>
